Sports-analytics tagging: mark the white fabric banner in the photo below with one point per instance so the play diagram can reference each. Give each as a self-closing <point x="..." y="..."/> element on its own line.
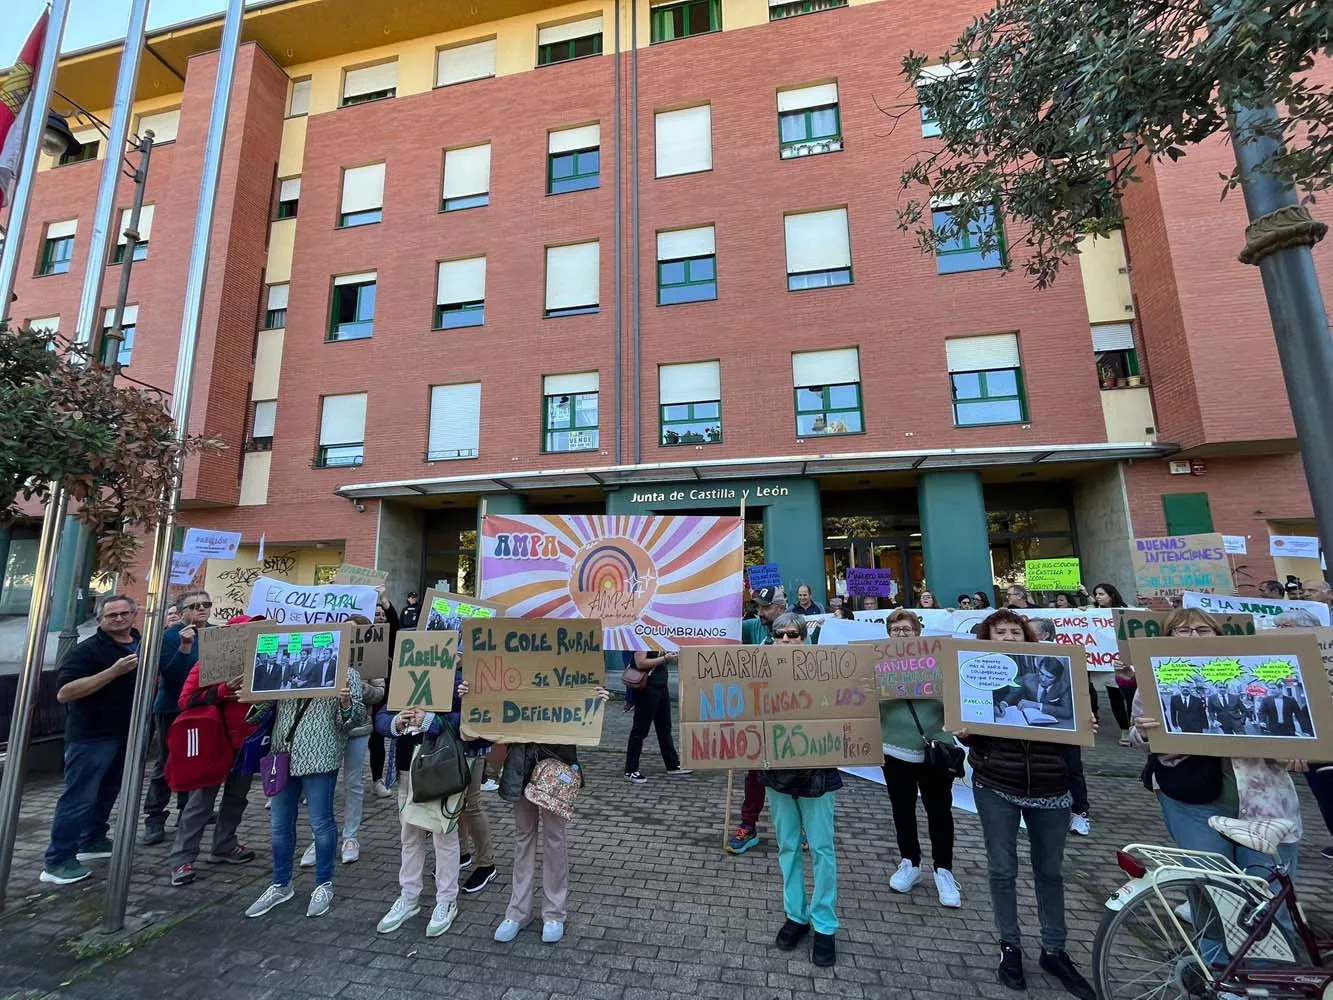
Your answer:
<point x="1264" y="609"/>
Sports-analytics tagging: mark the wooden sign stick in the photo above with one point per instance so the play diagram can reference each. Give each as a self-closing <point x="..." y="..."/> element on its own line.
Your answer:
<point x="731" y="774"/>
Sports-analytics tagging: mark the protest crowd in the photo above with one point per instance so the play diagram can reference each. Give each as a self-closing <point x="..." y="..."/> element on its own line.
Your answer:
<point x="291" y="716"/>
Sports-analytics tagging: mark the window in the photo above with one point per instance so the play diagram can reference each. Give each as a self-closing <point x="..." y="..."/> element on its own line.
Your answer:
<point x="684" y="141"/>
<point x="569" y="412"/>
<point x="690" y="398"/>
<point x="960" y="249"/>
<point x="461" y="63"/>
<point x="89" y="144"/>
<point x="262" y="416"/>
<point x="369" y="83"/>
<point x="145" y="231"/>
<point x="47" y="325"/>
<point x="686" y="266"/>
<point x="129" y="323"/>
<point x="1113" y="343"/>
<point x="467" y="178"/>
<point x="1187" y="513"/>
<point x="289" y="197"/>
<point x="573" y="161"/>
<point x="275" y="309"/>
<point x="298" y="98"/>
<point x="679" y="20"/>
<point x="808" y="120"/>
<point x="573" y="279"/>
<point x="455" y="421"/>
<point x="342" y="431"/>
<point x="573" y="40"/>
<point x="353" y="311"/>
<point x="164" y="125"/>
<point x="819" y="252"/>
<point x="930" y="125"/>
<point x="362" y="197"/>
<point x="828" y="392"/>
<point x="778" y="9"/>
<point x="987" y="380"/>
<point x="58" y="247"/>
<point x="460" y="294"/>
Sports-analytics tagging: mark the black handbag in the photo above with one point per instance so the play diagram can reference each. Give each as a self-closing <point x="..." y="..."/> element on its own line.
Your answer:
<point x="947" y="757"/>
<point x="441" y="768"/>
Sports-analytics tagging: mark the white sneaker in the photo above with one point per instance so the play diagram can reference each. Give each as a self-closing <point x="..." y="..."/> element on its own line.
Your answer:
<point x="508" y="930"/>
<point x="1079" y="823"/>
<point x="351" y="850"/>
<point x="308" y="858"/>
<point x="553" y="931"/>
<point x="679" y="772"/>
<point x="271" y="897"/>
<point x="947" y="887"/>
<point x="490" y="785"/>
<point x="400" y="913"/>
<point x="441" y="919"/>
<point x="905" y="877"/>
<point x="320" y="900"/>
<point x="381" y="789"/>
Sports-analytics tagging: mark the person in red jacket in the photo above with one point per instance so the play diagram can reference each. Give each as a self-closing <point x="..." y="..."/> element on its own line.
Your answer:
<point x="235" y="790"/>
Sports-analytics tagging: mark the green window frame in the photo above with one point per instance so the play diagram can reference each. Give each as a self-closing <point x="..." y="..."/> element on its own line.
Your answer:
<point x="796" y="128"/>
<point x="567" y="414"/>
<point x="350" y="220"/>
<point x="457" y="315"/>
<point x="691" y="423"/>
<point x="576" y="170"/>
<point x="987" y="398"/>
<point x="1187" y="513"/>
<point x="336" y="456"/>
<point x="56" y="255"/>
<point x="374" y="95"/>
<point x="829" y="409"/>
<point x="86" y="151"/>
<point x="797" y="7"/>
<point x="126" y="350"/>
<point x="140" y="252"/>
<point x="287" y="209"/>
<point x="572" y="48"/>
<point x="1119" y="364"/>
<point x="275" y="319"/>
<point x="962" y="251"/>
<point x="682" y="20"/>
<point x="688" y="279"/>
<point x="352" y="311"/>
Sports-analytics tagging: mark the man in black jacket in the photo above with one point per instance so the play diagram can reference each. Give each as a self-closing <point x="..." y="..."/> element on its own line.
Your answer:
<point x="411" y="612"/>
<point x="1188" y="712"/>
<point x="96" y="681"/>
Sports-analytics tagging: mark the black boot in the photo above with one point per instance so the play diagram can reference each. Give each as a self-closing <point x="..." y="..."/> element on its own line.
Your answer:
<point x="1063" y="969"/>
<point x="791" y="934"/>
<point x="822" y="953"/>
<point x="1010" y="972"/>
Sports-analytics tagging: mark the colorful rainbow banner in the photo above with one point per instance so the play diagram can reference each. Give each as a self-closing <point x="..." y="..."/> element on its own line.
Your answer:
<point x="656" y="582"/>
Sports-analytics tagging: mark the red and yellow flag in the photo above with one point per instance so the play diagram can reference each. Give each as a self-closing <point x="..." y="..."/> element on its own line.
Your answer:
<point x="15" y="107"/>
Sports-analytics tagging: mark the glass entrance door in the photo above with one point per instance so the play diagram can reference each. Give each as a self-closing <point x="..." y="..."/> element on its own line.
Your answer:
<point x="899" y="554"/>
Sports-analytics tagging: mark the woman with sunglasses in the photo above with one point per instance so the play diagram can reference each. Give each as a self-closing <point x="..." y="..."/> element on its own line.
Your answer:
<point x="799" y="799"/>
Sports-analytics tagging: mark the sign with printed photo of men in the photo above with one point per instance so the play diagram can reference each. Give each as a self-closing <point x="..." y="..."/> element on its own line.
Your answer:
<point x="296" y="661"/>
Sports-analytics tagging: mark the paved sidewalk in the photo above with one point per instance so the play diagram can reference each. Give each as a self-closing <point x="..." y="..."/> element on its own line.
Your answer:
<point x="657" y="911"/>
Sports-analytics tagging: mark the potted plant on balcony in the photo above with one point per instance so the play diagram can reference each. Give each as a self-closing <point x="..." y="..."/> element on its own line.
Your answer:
<point x="1135" y="381"/>
<point x="1106" y="375"/>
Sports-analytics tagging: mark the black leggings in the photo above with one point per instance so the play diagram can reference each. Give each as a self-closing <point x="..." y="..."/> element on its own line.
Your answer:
<point x="1120" y="700"/>
<point x="903" y="780"/>
<point x="376" y="756"/>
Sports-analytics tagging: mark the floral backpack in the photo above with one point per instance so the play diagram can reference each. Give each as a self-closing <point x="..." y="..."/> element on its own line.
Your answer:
<point x="554" y="786"/>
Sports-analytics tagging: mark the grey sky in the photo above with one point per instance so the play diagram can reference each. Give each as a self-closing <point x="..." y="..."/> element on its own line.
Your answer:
<point x="92" y="21"/>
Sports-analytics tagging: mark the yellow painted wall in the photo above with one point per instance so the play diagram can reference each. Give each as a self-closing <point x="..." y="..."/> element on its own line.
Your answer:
<point x="45" y="162"/>
<point x="230" y="581"/>
<point x="281" y="240"/>
<point x="744" y="13"/>
<point x="254" y="478"/>
<point x="291" y="156"/>
<point x="1106" y="286"/>
<point x="1127" y="413"/>
<point x="268" y="365"/>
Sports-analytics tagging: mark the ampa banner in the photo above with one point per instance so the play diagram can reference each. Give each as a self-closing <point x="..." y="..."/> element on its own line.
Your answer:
<point x="656" y="582"/>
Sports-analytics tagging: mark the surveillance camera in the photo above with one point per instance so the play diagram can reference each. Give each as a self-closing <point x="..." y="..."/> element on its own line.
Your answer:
<point x="359" y="507"/>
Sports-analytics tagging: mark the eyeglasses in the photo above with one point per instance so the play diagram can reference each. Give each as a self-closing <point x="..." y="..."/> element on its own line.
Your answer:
<point x="904" y="630"/>
<point x="788" y="635"/>
<point x="199" y="606"/>
<point x="119" y="614"/>
<point x="1192" y="630"/>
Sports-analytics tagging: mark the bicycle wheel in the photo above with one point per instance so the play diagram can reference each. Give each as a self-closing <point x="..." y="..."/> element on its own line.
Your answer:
<point x="1143" y="951"/>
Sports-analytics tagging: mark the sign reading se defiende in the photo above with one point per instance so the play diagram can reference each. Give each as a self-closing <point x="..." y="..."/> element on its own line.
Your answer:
<point x="779" y="707"/>
<point x="1169" y="566"/>
<point x="906" y="668"/>
<point x="532" y="680"/>
<point x="423" y="671"/>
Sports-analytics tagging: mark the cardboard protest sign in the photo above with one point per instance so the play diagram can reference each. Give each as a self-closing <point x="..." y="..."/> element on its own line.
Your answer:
<point x="1169" y="566"/>
<point x="863" y="582"/>
<point x="779" y="706"/>
<point x="1052" y="574"/>
<point x="211" y="544"/>
<point x="360" y="576"/>
<point x="1324" y="637"/>
<point x="443" y="610"/>
<point x="1262" y="695"/>
<point x="294" y="661"/>
<point x="1235" y="545"/>
<point x="835" y="631"/>
<point x="764" y="575"/>
<point x="424" y="668"/>
<point x="184" y="566"/>
<point x="369" y="655"/>
<point x="288" y="603"/>
<point x="533" y="680"/>
<point x="1132" y="623"/>
<point x="907" y="668"/>
<point x="1016" y="690"/>
<point x="222" y="650"/>
<point x="1264" y="609"/>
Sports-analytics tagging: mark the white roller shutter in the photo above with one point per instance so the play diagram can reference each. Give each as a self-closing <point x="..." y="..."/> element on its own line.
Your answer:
<point x="164" y="124"/>
<point x="684" y="141"/>
<point x="343" y="420"/>
<point x="1113" y="337"/>
<point x="455" y="420"/>
<point x="467" y="171"/>
<point x="128" y="317"/>
<point x="682" y="243"/>
<point x="461" y="281"/>
<point x="266" y="414"/>
<point x="474" y="61"/>
<point x="355" y="279"/>
<point x="818" y="241"/>
<point x="979" y="354"/>
<point x="370" y="79"/>
<point x="290" y="189"/>
<point x="808" y="97"/>
<point x="363" y="188"/>
<point x="59" y="230"/>
<point x="299" y="102"/>
<point x="145" y="224"/>
<point x="572" y="29"/>
<point x="277" y="296"/>
<point x="573" y="276"/>
<point x="584" y="137"/>
<point x="826" y="367"/>
<point x="569" y="385"/>
<point x="699" y="382"/>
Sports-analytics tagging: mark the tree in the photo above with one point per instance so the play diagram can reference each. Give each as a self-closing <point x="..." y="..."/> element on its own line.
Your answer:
<point x="111" y="447"/>
<point x="1051" y="107"/>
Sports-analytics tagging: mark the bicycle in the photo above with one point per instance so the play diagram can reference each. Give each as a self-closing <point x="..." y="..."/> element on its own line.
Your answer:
<point x="1191" y="924"/>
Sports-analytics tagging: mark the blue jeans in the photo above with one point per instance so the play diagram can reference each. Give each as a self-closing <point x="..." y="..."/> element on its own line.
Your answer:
<point x="318" y="791"/>
<point x="816" y="816"/>
<point x="92" y="782"/>
<point x="354" y="791"/>
<point x="1188" y="826"/>
<point x="1047" y="829"/>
